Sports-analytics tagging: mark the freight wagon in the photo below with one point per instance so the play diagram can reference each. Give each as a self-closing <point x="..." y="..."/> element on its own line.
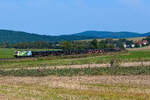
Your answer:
<point x="19" y="54"/>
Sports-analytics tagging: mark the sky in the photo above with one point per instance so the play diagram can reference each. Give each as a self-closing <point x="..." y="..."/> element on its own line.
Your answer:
<point x="57" y="17"/>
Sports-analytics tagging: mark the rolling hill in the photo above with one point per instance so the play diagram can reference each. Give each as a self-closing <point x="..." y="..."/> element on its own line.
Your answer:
<point x="18" y="36"/>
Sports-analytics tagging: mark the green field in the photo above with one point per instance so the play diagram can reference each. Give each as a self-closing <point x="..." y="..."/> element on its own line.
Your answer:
<point x="29" y="78"/>
<point x="78" y="71"/>
<point x="6" y="53"/>
<point x="134" y="39"/>
<point x="76" y="59"/>
<point x="9" y="53"/>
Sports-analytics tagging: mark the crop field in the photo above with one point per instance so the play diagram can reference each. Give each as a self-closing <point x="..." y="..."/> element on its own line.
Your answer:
<point x="75" y="88"/>
<point x="53" y="61"/>
<point x="145" y="70"/>
<point x="134" y="39"/>
<point x="6" y="53"/>
<point x="76" y="77"/>
<point x="9" y="53"/>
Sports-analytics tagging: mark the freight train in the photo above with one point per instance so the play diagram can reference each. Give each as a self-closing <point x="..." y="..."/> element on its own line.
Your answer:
<point x="25" y="53"/>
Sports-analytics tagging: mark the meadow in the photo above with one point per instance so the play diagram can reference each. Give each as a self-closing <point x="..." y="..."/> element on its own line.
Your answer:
<point x="54" y="61"/>
<point x="64" y="77"/>
<point x="134" y="39"/>
<point x="75" y="88"/>
<point x="145" y="70"/>
<point x="6" y="53"/>
<point x="9" y="52"/>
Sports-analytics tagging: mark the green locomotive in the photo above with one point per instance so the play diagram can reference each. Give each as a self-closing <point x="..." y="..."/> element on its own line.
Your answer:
<point x="23" y="54"/>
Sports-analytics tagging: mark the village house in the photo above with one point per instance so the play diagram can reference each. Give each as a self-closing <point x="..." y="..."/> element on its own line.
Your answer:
<point x="138" y="43"/>
<point x="126" y="45"/>
<point x="132" y="45"/>
<point x="145" y="42"/>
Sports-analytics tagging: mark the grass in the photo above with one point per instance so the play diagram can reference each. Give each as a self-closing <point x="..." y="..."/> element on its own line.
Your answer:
<point x="68" y="94"/>
<point x="134" y="39"/>
<point x="39" y="90"/>
<point x="78" y="71"/>
<point x="6" y="53"/>
<point x="67" y="83"/>
<point x="9" y="53"/>
<point x="131" y="56"/>
<point x="47" y="93"/>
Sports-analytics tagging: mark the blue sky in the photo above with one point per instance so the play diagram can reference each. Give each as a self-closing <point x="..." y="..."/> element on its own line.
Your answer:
<point x="54" y="17"/>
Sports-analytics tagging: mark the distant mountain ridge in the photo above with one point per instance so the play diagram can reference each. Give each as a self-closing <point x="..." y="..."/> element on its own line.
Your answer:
<point x="108" y="34"/>
<point x="18" y="36"/>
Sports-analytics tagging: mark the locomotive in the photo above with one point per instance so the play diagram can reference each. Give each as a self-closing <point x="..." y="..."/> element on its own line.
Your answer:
<point x="26" y="53"/>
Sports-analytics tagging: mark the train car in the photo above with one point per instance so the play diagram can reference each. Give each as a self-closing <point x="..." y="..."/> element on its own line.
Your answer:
<point x="19" y="54"/>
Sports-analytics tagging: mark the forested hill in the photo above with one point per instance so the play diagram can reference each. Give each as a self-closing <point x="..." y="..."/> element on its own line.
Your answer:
<point x="18" y="36"/>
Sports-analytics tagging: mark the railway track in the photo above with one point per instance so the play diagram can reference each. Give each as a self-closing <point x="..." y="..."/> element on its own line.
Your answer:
<point x="58" y="53"/>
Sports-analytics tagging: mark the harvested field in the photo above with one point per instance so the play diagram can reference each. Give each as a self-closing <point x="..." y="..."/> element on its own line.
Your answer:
<point x="75" y="88"/>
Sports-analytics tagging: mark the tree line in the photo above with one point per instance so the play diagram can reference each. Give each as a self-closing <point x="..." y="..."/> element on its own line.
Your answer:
<point x="67" y="45"/>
